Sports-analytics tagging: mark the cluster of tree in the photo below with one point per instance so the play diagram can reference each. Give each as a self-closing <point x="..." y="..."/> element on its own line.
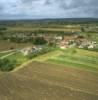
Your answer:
<point x="24" y="38"/>
<point x="30" y="36"/>
<point x="7" y="65"/>
<point x="19" y="39"/>
<point x="39" y="41"/>
<point x="40" y="52"/>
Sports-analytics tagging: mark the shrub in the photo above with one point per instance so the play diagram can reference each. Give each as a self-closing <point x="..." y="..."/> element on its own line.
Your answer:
<point x="7" y="65"/>
<point x="39" y="41"/>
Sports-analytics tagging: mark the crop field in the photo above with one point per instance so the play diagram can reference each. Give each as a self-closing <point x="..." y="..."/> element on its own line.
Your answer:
<point x="21" y="29"/>
<point x="44" y="81"/>
<point x="17" y="58"/>
<point x="49" y="73"/>
<point x="78" y="58"/>
<point x="5" y="45"/>
<point x="93" y="37"/>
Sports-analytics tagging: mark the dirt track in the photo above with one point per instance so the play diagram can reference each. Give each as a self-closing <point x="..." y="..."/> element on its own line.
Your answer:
<point x="42" y="81"/>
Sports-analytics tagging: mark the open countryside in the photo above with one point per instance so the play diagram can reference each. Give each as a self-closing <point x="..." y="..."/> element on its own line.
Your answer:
<point x="49" y="60"/>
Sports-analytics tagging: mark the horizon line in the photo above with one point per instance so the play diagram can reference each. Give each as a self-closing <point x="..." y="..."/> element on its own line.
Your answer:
<point x="12" y="19"/>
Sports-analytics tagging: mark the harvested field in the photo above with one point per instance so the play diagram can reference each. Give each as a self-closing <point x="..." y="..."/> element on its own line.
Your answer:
<point x="44" y="81"/>
<point x="5" y="45"/>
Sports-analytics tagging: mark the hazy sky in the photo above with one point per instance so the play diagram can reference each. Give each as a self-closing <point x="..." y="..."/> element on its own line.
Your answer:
<point x="25" y="9"/>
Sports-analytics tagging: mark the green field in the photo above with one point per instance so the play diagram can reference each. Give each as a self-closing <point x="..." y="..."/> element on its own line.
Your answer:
<point x="4" y="54"/>
<point x="19" y="57"/>
<point x="22" y="29"/>
<point x="57" y="74"/>
<point x="78" y="58"/>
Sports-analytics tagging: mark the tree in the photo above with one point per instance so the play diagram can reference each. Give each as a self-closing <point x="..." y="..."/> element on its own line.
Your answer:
<point x="82" y="29"/>
<point x="7" y="65"/>
<point x="39" y="41"/>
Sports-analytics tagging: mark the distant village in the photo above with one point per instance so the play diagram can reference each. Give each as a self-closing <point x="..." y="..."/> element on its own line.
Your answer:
<point x="63" y="41"/>
<point x="77" y="41"/>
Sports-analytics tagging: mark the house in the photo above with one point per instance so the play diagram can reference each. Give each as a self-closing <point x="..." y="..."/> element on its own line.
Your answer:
<point x="81" y="47"/>
<point x="91" y="46"/>
<point x="63" y="46"/>
<point x="73" y="45"/>
<point x="58" y="37"/>
<point x="28" y="50"/>
<point x="68" y="38"/>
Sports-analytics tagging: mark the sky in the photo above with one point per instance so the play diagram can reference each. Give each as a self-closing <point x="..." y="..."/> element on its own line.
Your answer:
<point x="37" y="9"/>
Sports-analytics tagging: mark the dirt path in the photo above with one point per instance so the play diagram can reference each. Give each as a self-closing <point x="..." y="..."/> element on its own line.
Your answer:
<point x="8" y="51"/>
<point x="7" y="55"/>
<point x="40" y="58"/>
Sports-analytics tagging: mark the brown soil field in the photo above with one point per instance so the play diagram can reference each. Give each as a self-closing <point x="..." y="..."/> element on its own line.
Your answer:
<point x="4" y="45"/>
<point x="43" y="81"/>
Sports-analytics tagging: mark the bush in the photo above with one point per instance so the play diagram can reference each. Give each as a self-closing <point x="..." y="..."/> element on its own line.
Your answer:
<point x="74" y="51"/>
<point x="39" y="41"/>
<point x="30" y="56"/>
<point x="7" y="65"/>
<point x="39" y="52"/>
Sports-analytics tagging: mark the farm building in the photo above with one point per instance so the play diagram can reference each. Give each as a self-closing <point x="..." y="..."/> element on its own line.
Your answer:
<point x="63" y="46"/>
<point x="27" y="50"/>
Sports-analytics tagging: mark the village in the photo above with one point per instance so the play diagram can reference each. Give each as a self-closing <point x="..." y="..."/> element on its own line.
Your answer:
<point x="32" y="49"/>
<point x="48" y="49"/>
<point x="42" y="44"/>
<point x="77" y="41"/>
<point x="40" y="40"/>
<point x="62" y="42"/>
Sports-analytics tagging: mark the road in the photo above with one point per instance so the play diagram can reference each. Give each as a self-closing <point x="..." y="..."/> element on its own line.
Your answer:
<point x="7" y="55"/>
<point x="8" y="51"/>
